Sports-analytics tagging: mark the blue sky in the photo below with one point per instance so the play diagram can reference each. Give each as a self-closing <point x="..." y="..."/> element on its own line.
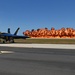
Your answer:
<point x="34" y="14"/>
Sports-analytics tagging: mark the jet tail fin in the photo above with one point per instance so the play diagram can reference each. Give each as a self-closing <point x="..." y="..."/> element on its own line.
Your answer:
<point x="16" y="31"/>
<point x="8" y="30"/>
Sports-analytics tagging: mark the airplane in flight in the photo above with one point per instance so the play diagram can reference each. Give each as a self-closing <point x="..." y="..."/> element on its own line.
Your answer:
<point x="8" y="37"/>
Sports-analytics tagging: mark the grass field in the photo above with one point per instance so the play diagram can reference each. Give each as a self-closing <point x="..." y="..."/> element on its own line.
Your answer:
<point x="46" y="41"/>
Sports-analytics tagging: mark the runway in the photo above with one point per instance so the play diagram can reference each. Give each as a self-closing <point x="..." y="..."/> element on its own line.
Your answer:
<point x="55" y="46"/>
<point x="37" y="61"/>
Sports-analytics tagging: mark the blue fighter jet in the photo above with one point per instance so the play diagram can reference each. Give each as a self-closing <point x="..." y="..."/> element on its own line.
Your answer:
<point x="8" y="37"/>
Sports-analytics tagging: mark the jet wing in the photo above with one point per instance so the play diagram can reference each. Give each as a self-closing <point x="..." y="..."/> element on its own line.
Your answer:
<point x="18" y="37"/>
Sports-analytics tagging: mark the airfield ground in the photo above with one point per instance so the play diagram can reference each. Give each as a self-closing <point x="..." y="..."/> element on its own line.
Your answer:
<point x="34" y="58"/>
<point x="45" y="41"/>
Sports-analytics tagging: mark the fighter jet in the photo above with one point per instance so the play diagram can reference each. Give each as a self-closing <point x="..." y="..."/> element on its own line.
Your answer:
<point x="8" y="37"/>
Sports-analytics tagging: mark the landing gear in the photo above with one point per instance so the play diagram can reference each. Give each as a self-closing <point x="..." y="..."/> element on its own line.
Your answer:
<point x="4" y="41"/>
<point x="11" y="40"/>
<point x="8" y="40"/>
